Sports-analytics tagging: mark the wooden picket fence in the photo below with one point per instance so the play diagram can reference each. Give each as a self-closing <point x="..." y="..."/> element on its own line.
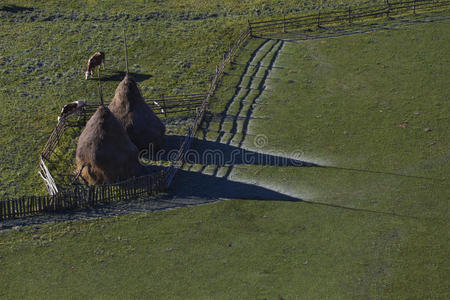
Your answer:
<point x="79" y="196"/>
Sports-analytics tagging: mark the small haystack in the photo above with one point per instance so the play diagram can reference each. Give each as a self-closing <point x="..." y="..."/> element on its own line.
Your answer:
<point x="104" y="150"/>
<point x="144" y="128"/>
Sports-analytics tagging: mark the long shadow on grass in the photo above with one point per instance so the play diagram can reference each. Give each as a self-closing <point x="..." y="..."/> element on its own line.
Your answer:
<point x="188" y="189"/>
<point x="187" y="185"/>
<point x="193" y="188"/>
<point x="213" y="153"/>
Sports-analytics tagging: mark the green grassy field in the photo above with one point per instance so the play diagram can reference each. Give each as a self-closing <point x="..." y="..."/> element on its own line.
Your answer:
<point x="173" y="48"/>
<point x="370" y="110"/>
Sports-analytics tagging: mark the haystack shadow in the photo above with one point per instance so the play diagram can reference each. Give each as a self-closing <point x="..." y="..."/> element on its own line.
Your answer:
<point x="194" y="185"/>
<point x="204" y="152"/>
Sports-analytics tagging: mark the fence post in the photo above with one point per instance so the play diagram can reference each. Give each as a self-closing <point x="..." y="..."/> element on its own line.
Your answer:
<point x="284" y="22"/>
<point x="388" y="8"/>
<point x="349" y="15"/>
<point x="164" y="106"/>
<point x="250" y="28"/>
<point x="414" y="7"/>
<point x="318" y="19"/>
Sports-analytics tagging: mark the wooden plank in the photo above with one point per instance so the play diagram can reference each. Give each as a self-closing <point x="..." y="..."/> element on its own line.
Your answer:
<point x="2" y="210"/>
<point x="8" y="202"/>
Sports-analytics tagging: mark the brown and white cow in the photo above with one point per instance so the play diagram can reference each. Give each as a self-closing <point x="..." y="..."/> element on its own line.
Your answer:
<point x="71" y="108"/>
<point x="97" y="59"/>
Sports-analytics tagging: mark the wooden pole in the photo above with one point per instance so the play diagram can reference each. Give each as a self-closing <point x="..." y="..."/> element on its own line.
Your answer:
<point x="414" y="7"/>
<point x="164" y="106"/>
<point x="250" y="28"/>
<point x="349" y="15"/>
<point x="100" y="94"/>
<point x="126" y="50"/>
<point x="284" y="22"/>
<point x="388" y="8"/>
<point x="318" y="19"/>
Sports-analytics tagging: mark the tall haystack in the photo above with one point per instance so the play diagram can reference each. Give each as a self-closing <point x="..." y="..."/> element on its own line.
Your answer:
<point x="104" y="150"/>
<point x="142" y="125"/>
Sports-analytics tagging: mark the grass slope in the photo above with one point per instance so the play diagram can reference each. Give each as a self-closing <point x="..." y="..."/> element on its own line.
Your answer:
<point x="44" y="46"/>
<point x="373" y="220"/>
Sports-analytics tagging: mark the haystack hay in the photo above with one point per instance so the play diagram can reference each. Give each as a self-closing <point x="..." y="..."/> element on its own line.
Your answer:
<point x="105" y="152"/>
<point x="144" y="128"/>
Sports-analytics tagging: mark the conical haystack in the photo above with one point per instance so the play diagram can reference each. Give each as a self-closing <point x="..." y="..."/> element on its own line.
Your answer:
<point x="104" y="150"/>
<point x="144" y="128"/>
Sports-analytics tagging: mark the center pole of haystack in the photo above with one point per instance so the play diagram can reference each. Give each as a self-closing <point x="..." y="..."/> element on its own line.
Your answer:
<point x="100" y="93"/>
<point x="126" y="50"/>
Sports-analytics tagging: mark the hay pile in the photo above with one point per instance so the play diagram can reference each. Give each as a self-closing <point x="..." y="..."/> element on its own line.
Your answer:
<point x="144" y="128"/>
<point x="106" y="151"/>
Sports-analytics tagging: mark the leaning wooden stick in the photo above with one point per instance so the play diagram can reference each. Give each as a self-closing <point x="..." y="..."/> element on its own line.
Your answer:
<point x="126" y="50"/>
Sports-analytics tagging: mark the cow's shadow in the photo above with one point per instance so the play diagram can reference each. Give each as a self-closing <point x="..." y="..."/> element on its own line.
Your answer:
<point x="119" y="75"/>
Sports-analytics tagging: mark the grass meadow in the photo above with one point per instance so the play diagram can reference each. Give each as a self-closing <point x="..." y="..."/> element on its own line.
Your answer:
<point x="365" y="217"/>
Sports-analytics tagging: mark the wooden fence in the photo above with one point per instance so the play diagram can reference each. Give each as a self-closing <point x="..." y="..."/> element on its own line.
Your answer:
<point x="161" y="105"/>
<point x="77" y="196"/>
<point x="318" y="19"/>
<point x="165" y="105"/>
<point x="192" y="131"/>
<point x="80" y="196"/>
<point x="348" y="15"/>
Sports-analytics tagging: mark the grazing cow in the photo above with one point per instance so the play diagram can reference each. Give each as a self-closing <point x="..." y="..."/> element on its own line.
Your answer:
<point x="71" y="108"/>
<point x="97" y="59"/>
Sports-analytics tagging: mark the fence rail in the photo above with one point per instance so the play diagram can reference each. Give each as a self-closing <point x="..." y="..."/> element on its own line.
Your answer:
<point x="345" y="15"/>
<point x="161" y="105"/>
<point x="79" y="196"/>
<point x="192" y="131"/>
<point x="165" y="105"/>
